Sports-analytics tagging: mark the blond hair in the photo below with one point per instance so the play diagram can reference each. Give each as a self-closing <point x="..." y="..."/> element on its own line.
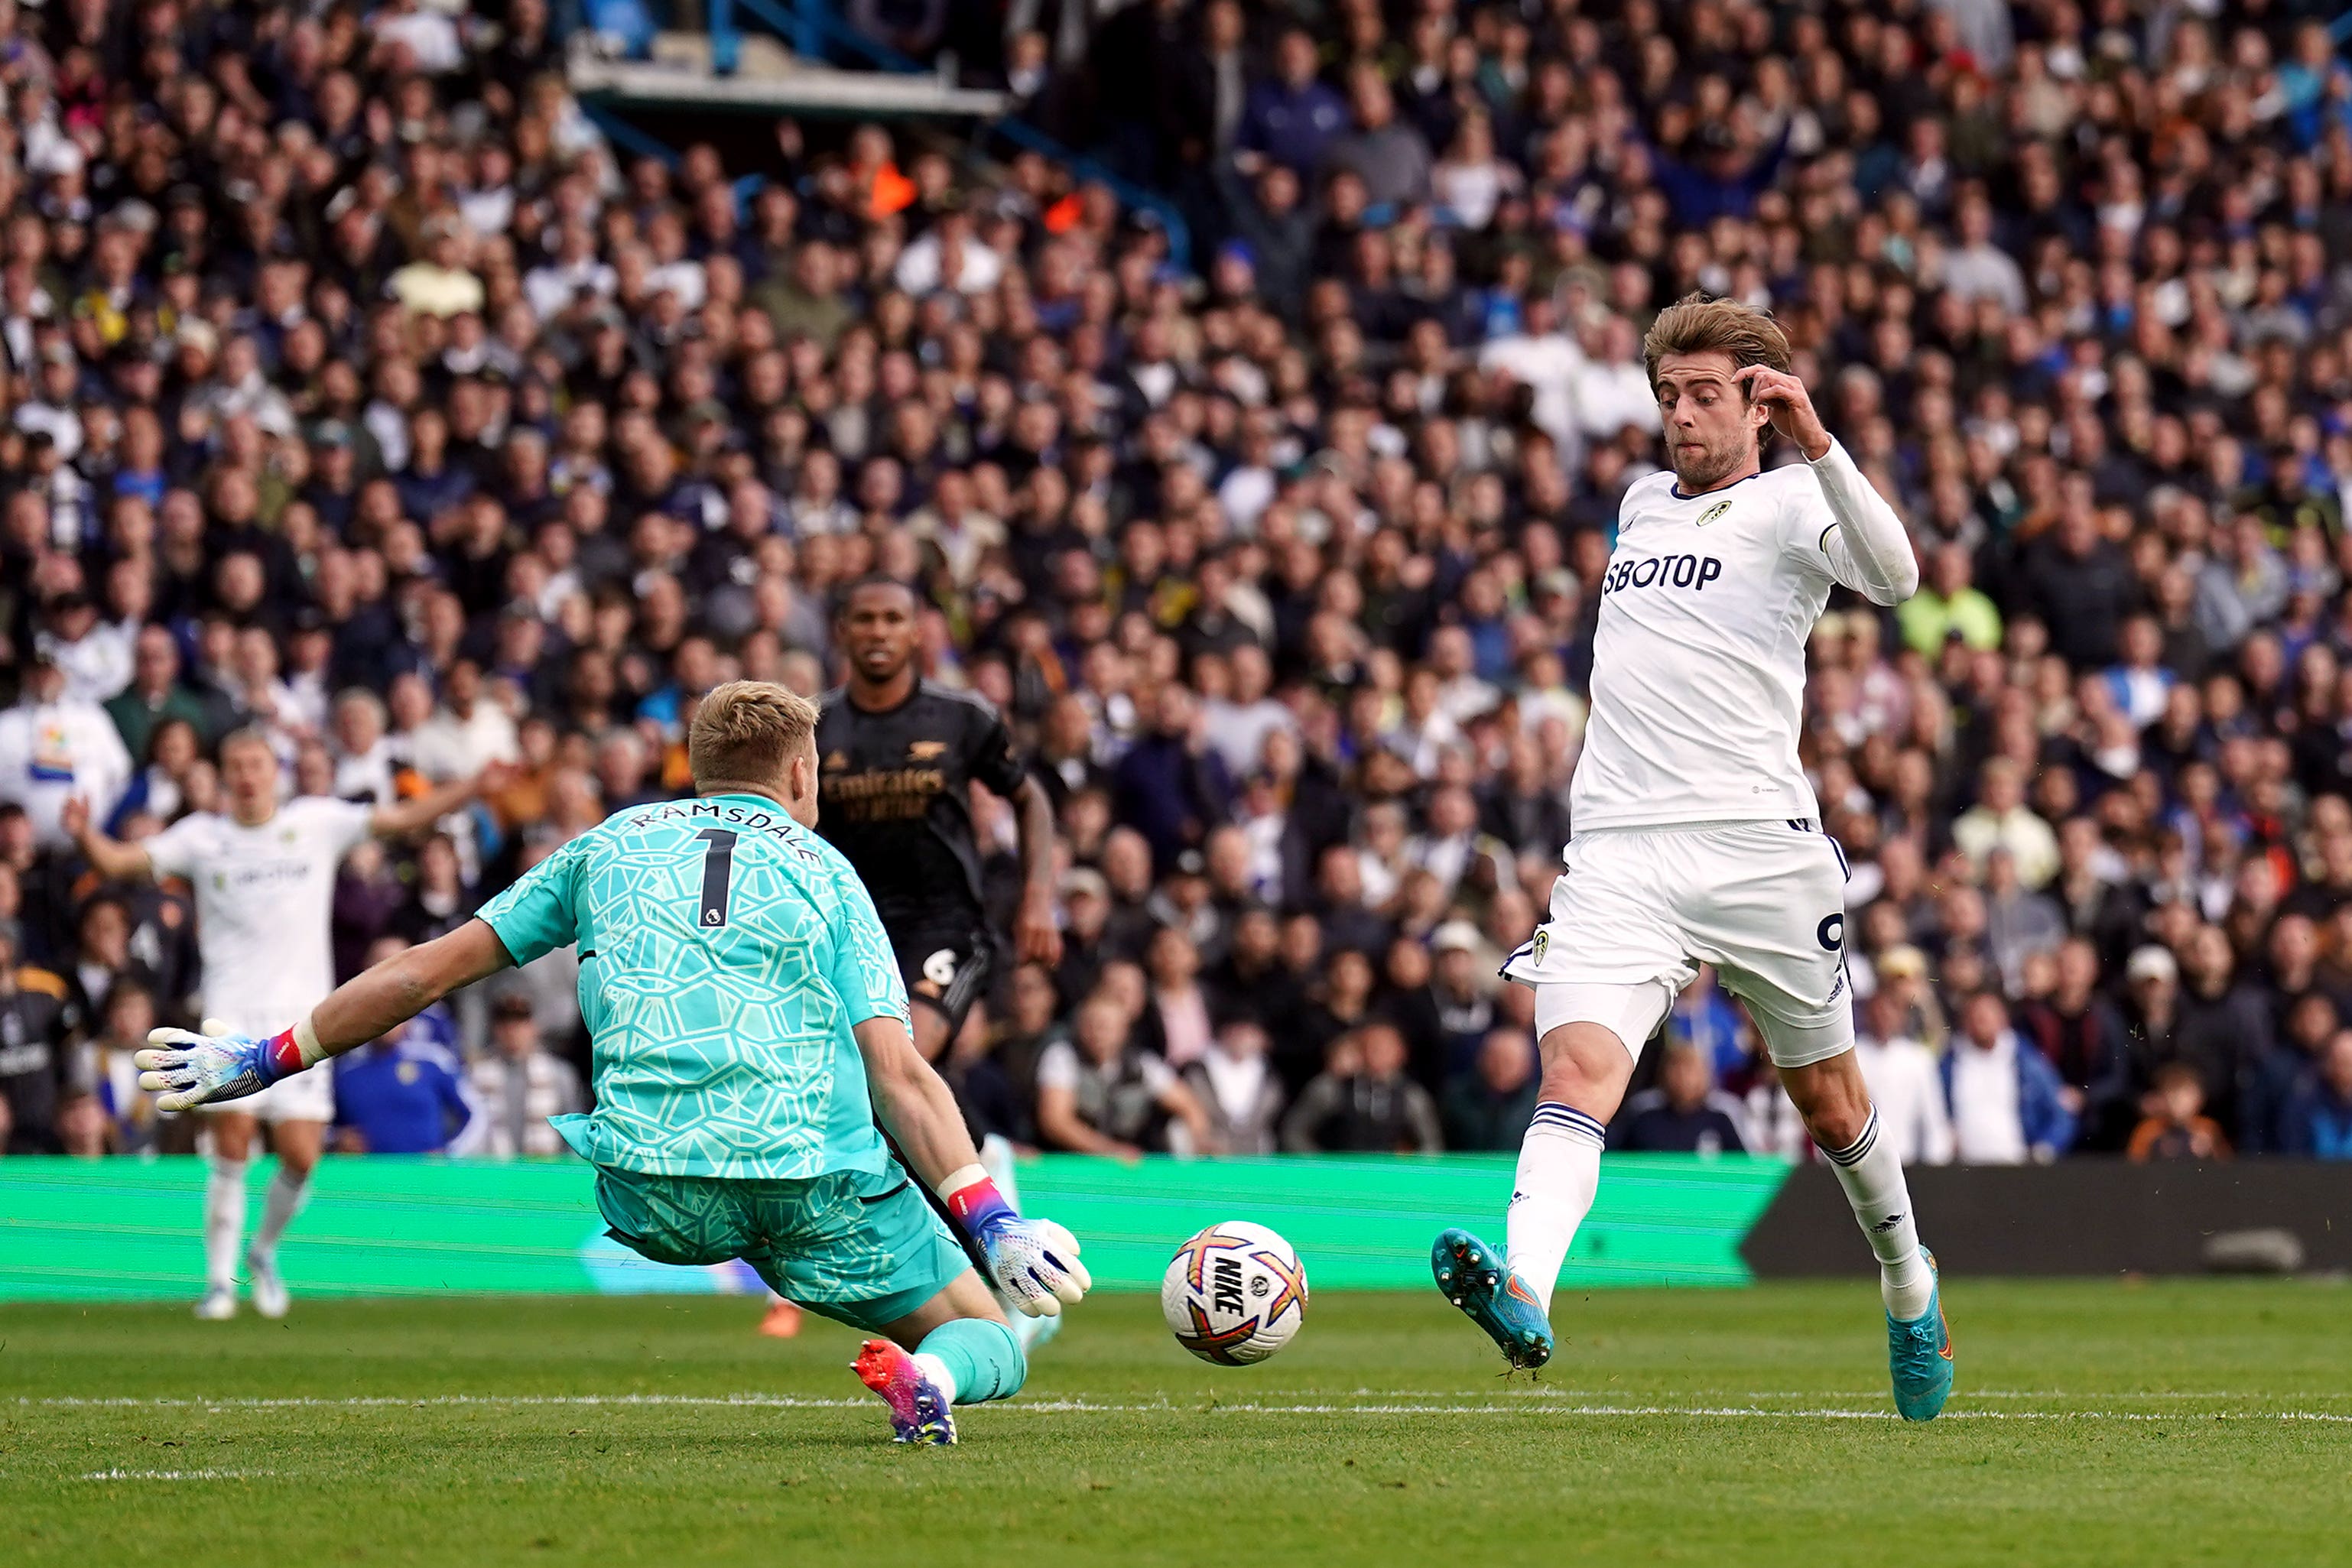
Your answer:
<point x="1698" y="324"/>
<point x="747" y="732"/>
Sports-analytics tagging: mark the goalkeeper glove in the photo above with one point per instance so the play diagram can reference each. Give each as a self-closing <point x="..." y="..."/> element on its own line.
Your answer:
<point x="188" y="1070"/>
<point x="1033" y="1263"/>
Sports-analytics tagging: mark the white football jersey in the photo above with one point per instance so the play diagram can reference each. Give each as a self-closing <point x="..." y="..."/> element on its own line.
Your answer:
<point x="1698" y="664"/>
<point x="265" y="902"/>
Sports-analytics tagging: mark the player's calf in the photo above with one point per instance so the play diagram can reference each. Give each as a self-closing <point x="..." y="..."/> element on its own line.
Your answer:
<point x="1830" y="1094"/>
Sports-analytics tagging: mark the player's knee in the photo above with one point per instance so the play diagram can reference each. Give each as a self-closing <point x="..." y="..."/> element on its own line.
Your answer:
<point x="1831" y="1098"/>
<point x="1586" y="1065"/>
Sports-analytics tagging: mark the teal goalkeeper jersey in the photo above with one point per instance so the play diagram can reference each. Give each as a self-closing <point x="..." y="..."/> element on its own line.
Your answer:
<point x="725" y="955"/>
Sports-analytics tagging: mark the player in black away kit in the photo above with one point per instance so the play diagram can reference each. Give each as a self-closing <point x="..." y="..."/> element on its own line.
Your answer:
<point x="896" y="754"/>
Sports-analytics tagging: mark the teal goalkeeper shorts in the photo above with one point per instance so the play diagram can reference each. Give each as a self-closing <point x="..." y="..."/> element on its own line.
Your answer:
<point x="863" y="1249"/>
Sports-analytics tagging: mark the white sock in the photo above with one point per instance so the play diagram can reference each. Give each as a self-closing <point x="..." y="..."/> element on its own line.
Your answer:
<point x="280" y="1202"/>
<point x="937" y="1371"/>
<point x="996" y="1159"/>
<point x="1559" y="1171"/>
<point x="224" y="1222"/>
<point x="1873" y="1178"/>
<point x="1026" y="1330"/>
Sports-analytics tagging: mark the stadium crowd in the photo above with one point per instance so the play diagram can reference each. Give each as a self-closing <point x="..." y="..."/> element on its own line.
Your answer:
<point x="358" y="389"/>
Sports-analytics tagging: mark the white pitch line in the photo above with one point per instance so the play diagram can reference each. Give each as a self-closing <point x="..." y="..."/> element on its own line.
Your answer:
<point x="1536" y="1392"/>
<point x="1523" y="1406"/>
<point x="173" y="1475"/>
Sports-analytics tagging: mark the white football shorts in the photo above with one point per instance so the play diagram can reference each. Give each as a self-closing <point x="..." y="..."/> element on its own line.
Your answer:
<point x="1637" y="910"/>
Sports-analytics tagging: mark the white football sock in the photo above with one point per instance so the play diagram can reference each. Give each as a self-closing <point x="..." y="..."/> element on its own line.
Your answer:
<point x="996" y="1159"/>
<point x="937" y="1371"/>
<point x="1872" y="1178"/>
<point x="1559" y="1171"/>
<point x="280" y="1202"/>
<point x="224" y="1221"/>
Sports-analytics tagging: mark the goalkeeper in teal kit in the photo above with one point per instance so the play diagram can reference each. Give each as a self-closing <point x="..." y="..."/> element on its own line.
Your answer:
<point x="749" y="1029"/>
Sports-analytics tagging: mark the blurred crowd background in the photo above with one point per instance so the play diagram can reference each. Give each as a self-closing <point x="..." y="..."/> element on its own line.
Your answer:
<point x="359" y="388"/>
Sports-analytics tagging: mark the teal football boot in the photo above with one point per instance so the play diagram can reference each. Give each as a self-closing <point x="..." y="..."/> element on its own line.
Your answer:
<point x="1919" y="1354"/>
<point x="1493" y="1297"/>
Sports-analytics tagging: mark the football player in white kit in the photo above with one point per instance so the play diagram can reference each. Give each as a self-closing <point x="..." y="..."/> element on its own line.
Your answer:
<point x="1696" y="838"/>
<point x="264" y="877"/>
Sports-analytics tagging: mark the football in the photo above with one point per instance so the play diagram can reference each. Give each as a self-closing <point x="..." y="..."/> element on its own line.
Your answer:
<point x="1234" y="1294"/>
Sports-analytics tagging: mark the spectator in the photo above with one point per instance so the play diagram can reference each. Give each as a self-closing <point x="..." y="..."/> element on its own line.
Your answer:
<point x="1947" y="607"/>
<point x="81" y="1124"/>
<point x="1491" y="1098"/>
<point x="2020" y="924"/>
<point x="1389" y="156"/>
<point x="2004" y="1097"/>
<point x="2176" y="1127"/>
<point x="1459" y="996"/>
<point x="438" y="904"/>
<point x="1684" y="1114"/>
<point x="1362" y="1101"/>
<point x="1098" y="1094"/>
<point x="34" y="1026"/>
<point x="520" y="1086"/>
<point x="174" y="781"/>
<point x="1290" y="119"/>
<point x="2319" y="1122"/>
<point x="55" y="747"/>
<point x="103" y="959"/>
<point x="1178" y="1003"/>
<point x="130" y="1123"/>
<point x="2082" y="1038"/>
<point x="1237" y="1089"/>
<point x="1169" y="787"/>
<point x="405" y="1093"/>
<point x="155" y="694"/>
<point x="1905" y="1086"/>
<point x="2224" y="1031"/>
<point x="2000" y="819"/>
<point x="94" y="657"/>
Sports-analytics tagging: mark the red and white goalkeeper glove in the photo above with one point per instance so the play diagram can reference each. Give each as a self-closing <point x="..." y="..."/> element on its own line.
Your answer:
<point x="187" y="1070"/>
<point x="1033" y="1263"/>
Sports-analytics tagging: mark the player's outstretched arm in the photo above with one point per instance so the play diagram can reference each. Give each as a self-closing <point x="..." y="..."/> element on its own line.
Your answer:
<point x="113" y="859"/>
<point x="421" y="811"/>
<point x="190" y="1070"/>
<point x="1877" y="548"/>
<point x="1033" y="1262"/>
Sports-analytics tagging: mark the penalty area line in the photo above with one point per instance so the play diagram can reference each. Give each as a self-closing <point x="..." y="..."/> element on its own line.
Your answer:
<point x="173" y="1475"/>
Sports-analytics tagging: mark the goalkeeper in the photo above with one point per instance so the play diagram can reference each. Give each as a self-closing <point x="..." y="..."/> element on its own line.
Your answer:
<point x="749" y="1029"/>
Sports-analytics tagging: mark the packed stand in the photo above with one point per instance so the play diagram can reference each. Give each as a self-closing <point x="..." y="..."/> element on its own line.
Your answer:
<point x="358" y="390"/>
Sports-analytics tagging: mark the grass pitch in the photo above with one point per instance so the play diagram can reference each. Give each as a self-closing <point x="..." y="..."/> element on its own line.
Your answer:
<point x="2108" y="1424"/>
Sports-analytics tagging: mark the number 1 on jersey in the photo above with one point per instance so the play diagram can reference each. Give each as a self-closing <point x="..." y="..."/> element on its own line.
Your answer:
<point x="718" y="867"/>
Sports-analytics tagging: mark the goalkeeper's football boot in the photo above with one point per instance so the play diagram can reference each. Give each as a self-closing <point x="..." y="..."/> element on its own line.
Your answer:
<point x="1494" y="1298"/>
<point x="1919" y="1354"/>
<point x="918" y="1409"/>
